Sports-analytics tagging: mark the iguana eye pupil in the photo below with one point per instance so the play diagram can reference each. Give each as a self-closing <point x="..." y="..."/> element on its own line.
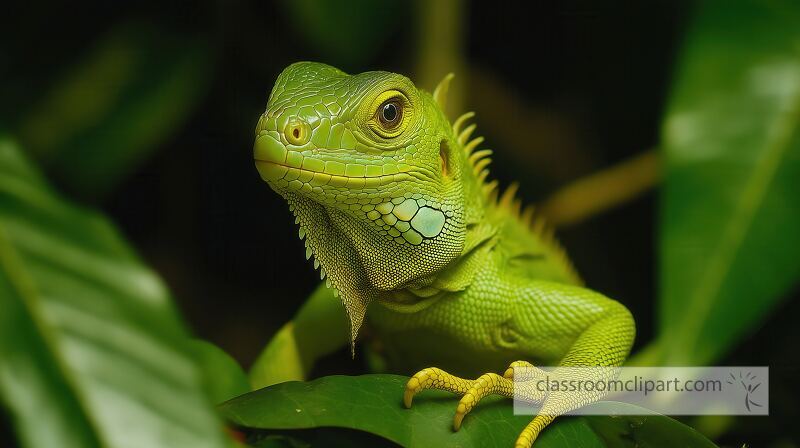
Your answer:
<point x="390" y="114"/>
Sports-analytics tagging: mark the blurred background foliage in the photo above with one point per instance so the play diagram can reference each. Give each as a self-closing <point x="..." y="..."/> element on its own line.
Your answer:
<point x="145" y="111"/>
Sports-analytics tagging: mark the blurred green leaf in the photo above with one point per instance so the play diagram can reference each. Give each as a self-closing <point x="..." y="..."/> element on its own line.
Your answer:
<point x="373" y="403"/>
<point x="223" y="376"/>
<point x="92" y="352"/>
<point x="319" y="328"/>
<point x="279" y="361"/>
<point x="729" y="216"/>
<point x="345" y="35"/>
<point x="108" y="112"/>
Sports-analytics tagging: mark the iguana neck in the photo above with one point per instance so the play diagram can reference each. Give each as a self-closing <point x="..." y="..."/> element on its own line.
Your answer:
<point x="359" y="265"/>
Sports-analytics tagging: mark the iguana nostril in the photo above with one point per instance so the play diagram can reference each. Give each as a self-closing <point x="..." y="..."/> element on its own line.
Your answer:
<point x="297" y="131"/>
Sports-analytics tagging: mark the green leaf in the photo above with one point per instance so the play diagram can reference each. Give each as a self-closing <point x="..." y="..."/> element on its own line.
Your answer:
<point x="102" y="117"/>
<point x="373" y="403"/>
<point x="92" y="352"/>
<point x="223" y="376"/>
<point x="729" y="215"/>
<point x="319" y="328"/>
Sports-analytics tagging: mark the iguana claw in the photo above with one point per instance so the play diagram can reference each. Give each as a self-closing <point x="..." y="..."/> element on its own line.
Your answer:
<point x="473" y="392"/>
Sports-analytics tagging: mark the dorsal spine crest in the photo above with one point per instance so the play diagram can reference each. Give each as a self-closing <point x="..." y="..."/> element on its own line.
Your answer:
<point x="479" y="160"/>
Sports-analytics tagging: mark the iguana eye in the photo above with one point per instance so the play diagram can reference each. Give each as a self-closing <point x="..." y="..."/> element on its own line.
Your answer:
<point x="390" y="114"/>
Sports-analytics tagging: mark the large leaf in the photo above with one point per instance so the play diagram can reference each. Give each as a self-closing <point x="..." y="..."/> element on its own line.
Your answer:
<point x="92" y="352"/>
<point x="373" y="403"/>
<point x="222" y="375"/>
<point x="730" y="222"/>
<point x="105" y="114"/>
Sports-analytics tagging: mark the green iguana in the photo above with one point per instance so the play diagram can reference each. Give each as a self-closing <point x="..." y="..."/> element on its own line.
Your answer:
<point x="395" y="207"/>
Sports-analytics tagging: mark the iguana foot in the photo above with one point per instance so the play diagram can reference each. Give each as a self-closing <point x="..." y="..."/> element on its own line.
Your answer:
<point x="474" y="390"/>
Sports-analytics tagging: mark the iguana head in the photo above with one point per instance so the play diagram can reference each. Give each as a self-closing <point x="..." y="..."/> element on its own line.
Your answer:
<point x="369" y="166"/>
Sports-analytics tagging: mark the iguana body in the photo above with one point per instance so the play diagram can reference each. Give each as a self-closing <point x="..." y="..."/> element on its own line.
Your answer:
<point x="394" y="205"/>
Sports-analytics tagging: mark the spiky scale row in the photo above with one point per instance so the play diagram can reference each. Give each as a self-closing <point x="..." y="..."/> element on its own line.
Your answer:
<point x="310" y="254"/>
<point x="479" y="160"/>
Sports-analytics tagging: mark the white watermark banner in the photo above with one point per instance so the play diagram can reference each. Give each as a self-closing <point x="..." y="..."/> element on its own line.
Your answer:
<point x="642" y="390"/>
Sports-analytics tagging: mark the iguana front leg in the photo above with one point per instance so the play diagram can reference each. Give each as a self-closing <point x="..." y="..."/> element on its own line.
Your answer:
<point x="605" y="340"/>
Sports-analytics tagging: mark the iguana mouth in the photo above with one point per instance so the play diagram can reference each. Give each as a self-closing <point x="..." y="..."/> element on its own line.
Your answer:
<point x="273" y="171"/>
<point x="277" y="164"/>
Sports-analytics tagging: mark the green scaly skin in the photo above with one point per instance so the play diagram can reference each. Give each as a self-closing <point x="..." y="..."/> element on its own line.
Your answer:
<point x="396" y="210"/>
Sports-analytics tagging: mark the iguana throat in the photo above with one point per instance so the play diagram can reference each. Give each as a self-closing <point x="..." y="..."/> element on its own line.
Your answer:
<point x="373" y="173"/>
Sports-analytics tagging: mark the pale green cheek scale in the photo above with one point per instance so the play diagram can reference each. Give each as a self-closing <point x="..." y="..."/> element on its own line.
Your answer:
<point x="414" y="223"/>
<point x="428" y="222"/>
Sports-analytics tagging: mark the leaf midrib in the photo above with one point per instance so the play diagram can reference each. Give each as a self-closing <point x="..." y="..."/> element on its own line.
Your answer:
<point x="25" y="288"/>
<point x="706" y="295"/>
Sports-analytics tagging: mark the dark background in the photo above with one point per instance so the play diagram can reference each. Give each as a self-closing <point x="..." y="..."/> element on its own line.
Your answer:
<point x="565" y="89"/>
<point x="226" y="244"/>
